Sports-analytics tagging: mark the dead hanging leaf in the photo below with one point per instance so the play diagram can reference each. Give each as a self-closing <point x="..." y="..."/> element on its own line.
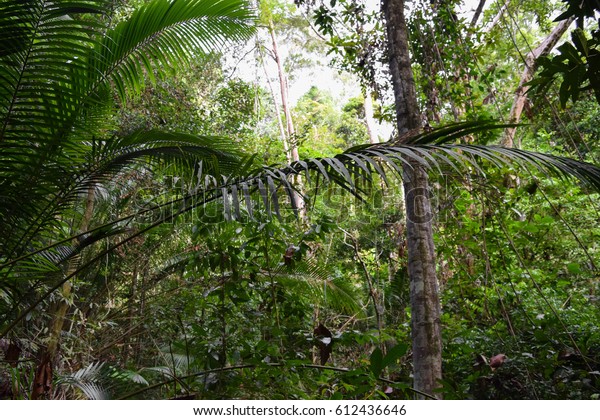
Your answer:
<point x="480" y="360"/>
<point x="13" y="352"/>
<point x="42" y="383"/>
<point x="288" y="257"/>
<point x="324" y="339"/>
<point x="497" y="361"/>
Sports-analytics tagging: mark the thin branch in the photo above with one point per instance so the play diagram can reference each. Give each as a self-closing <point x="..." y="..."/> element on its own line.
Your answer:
<point x="543" y="296"/>
<point x="477" y="13"/>
<point x="253" y="366"/>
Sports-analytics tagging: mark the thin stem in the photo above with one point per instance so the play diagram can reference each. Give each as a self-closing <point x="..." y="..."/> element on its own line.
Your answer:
<point x="253" y="366"/>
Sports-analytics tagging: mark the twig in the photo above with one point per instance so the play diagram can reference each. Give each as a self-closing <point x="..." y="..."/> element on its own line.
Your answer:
<point x="252" y="366"/>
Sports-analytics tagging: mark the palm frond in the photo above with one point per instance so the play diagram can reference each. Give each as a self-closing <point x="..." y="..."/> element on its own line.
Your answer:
<point x="316" y="281"/>
<point x="100" y="381"/>
<point x="56" y="63"/>
<point x="161" y="34"/>
<point x="41" y="66"/>
<point x="89" y="380"/>
<point x="358" y="166"/>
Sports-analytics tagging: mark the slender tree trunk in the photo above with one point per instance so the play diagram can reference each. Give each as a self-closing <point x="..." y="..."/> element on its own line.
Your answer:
<point x="477" y="14"/>
<point x="282" y="132"/>
<point x="530" y="67"/>
<point x="43" y="377"/>
<point x="424" y="293"/>
<point x="369" y="119"/>
<point x="287" y="112"/>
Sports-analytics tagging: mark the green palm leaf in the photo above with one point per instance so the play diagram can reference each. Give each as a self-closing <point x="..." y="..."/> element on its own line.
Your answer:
<point x="159" y="37"/>
<point x="55" y="64"/>
<point x="56" y="67"/>
<point x="362" y="162"/>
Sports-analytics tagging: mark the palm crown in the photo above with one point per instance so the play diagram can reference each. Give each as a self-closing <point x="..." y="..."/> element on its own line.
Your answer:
<point x="59" y="65"/>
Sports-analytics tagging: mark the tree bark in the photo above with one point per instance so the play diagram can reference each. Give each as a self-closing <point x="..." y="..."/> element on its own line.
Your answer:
<point x="477" y="13"/>
<point x="282" y="131"/>
<point x="291" y="132"/>
<point x="369" y="118"/>
<point x="530" y="67"/>
<point x="287" y="112"/>
<point x="424" y="293"/>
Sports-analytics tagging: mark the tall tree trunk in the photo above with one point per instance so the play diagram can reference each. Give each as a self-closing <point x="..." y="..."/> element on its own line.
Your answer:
<point x="282" y="131"/>
<point x="369" y="119"/>
<point x="424" y="293"/>
<point x="530" y="67"/>
<point x="287" y="112"/>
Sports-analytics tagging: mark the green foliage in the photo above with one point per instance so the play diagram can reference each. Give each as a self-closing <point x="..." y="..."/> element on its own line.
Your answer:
<point x="578" y="63"/>
<point x="510" y="288"/>
<point x="323" y="130"/>
<point x="354" y="34"/>
<point x="193" y="277"/>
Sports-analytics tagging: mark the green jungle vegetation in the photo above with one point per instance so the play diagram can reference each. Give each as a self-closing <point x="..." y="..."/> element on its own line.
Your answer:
<point x="175" y="226"/>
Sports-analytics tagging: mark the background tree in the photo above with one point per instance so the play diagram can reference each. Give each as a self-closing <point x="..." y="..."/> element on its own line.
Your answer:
<point x="424" y="294"/>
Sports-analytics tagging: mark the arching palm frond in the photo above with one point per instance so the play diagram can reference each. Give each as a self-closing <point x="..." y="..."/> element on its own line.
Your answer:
<point x="358" y="166"/>
<point x="38" y="258"/>
<point x="100" y="381"/>
<point x="159" y="37"/>
<point x="42" y="60"/>
<point x="89" y="381"/>
<point x="57" y="63"/>
<point x="82" y="166"/>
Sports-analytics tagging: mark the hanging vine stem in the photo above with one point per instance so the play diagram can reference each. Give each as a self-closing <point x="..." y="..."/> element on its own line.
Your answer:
<point x="512" y="284"/>
<point x="274" y="365"/>
<point x="488" y="270"/>
<point x="575" y="236"/>
<point x="543" y="296"/>
<point x="556" y="115"/>
<point x="372" y="294"/>
<point x="521" y="307"/>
